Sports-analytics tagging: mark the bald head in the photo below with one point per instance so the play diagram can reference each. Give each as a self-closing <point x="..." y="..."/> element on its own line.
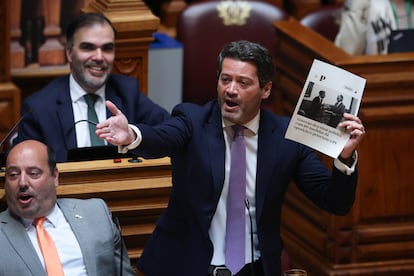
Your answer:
<point x="37" y="148"/>
<point x="31" y="179"/>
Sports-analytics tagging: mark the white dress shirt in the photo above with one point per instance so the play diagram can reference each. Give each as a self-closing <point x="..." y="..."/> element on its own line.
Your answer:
<point x="218" y="224"/>
<point x="67" y="245"/>
<point x="80" y="111"/>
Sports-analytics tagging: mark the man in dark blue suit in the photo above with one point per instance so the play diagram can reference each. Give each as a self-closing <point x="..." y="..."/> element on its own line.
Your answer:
<point x="189" y="238"/>
<point x="57" y="114"/>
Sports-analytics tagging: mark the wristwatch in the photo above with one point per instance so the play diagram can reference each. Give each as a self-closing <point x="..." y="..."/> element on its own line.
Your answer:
<point x="348" y="161"/>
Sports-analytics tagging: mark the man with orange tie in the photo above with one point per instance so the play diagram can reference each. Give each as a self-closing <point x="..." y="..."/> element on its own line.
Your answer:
<point x="43" y="235"/>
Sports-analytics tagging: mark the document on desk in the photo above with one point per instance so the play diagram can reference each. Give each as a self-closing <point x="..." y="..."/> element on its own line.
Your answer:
<point x="328" y="92"/>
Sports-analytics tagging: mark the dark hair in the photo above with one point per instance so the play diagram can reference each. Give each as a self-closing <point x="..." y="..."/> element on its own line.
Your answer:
<point x="51" y="159"/>
<point x="85" y="20"/>
<point x="244" y="50"/>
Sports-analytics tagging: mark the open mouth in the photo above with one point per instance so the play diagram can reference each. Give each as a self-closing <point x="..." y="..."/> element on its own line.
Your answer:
<point x="25" y="198"/>
<point x="231" y="103"/>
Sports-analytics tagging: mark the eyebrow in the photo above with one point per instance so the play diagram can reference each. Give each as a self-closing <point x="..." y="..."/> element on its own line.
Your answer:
<point x="11" y="168"/>
<point x="86" y="43"/>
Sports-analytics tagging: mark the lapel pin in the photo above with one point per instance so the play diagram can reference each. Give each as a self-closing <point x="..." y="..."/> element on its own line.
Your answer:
<point x="78" y="216"/>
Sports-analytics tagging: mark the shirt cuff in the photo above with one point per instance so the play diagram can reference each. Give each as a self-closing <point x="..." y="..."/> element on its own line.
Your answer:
<point x="134" y="144"/>
<point x="345" y="168"/>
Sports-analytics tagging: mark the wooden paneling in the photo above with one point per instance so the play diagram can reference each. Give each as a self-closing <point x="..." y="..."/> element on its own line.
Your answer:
<point x="9" y="93"/>
<point x="134" y="23"/>
<point x="136" y="193"/>
<point x="377" y="236"/>
<point x="9" y="108"/>
<point x="5" y="41"/>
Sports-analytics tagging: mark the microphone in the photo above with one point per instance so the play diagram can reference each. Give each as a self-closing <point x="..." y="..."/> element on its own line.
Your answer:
<point x="246" y="202"/>
<point x="11" y="131"/>
<point x="83" y="120"/>
<point x="87" y="153"/>
<point x="118" y="226"/>
<point x="107" y="151"/>
<point x="6" y="138"/>
<point x="134" y="159"/>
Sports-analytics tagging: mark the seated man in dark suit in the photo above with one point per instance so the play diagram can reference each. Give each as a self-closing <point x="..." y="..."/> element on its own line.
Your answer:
<point x="58" y="114"/>
<point x="83" y="233"/>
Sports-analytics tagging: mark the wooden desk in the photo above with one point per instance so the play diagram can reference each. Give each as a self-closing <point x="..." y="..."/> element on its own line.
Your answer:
<point x="377" y="236"/>
<point x="136" y="193"/>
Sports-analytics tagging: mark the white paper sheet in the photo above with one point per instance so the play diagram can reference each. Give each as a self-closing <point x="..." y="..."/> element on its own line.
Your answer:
<point x="317" y="128"/>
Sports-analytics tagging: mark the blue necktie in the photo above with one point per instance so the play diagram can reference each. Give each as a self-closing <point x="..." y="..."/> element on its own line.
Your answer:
<point x="90" y="100"/>
<point x="236" y="217"/>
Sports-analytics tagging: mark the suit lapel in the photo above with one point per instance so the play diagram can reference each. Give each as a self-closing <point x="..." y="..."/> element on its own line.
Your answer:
<point x="112" y="95"/>
<point x="65" y="114"/>
<point x="79" y="225"/>
<point x="19" y="240"/>
<point x="267" y="155"/>
<point x="215" y="154"/>
<point x="270" y="136"/>
<point x="216" y="149"/>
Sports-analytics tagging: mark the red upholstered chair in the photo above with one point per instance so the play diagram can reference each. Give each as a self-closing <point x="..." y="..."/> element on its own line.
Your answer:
<point x="324" y="21"/>
<point x="205" y="27"/>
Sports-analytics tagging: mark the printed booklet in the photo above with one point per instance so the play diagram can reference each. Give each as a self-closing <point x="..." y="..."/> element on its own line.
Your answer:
<point x="329" y="91"/>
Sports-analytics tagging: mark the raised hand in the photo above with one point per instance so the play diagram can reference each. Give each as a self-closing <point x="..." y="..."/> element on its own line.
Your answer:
<point x="356" y="129"/>
<point x="115" y="130"/>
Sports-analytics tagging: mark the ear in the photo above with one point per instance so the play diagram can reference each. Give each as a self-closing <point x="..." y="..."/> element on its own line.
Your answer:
<point x="56" y="177"/>
<point x="68" y="54"/>
<point x="267" y="89"/>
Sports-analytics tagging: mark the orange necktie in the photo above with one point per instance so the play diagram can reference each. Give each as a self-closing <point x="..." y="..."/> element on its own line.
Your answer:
<point x="48" y="248"/>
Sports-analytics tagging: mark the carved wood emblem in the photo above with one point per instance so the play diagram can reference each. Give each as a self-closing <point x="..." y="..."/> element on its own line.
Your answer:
<point x="234" y="12"/>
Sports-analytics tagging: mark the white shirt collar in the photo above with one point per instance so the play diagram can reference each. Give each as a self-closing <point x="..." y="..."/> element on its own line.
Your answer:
<point x="252" y="125"/>
<point x="77" y="92"/>
<point x="52" y="217"/>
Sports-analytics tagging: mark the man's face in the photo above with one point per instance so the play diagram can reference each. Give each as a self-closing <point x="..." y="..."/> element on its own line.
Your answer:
<point x="238" y="90"/>
<point x="92" y="55"/>
<point x="30" y="187"/>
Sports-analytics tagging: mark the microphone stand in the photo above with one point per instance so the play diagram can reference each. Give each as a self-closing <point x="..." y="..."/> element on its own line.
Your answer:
<point x="118" y="226"/>
<point x="8" y="135"/>
<point x="252" y="271"/>
<point x="134" y="159"/>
